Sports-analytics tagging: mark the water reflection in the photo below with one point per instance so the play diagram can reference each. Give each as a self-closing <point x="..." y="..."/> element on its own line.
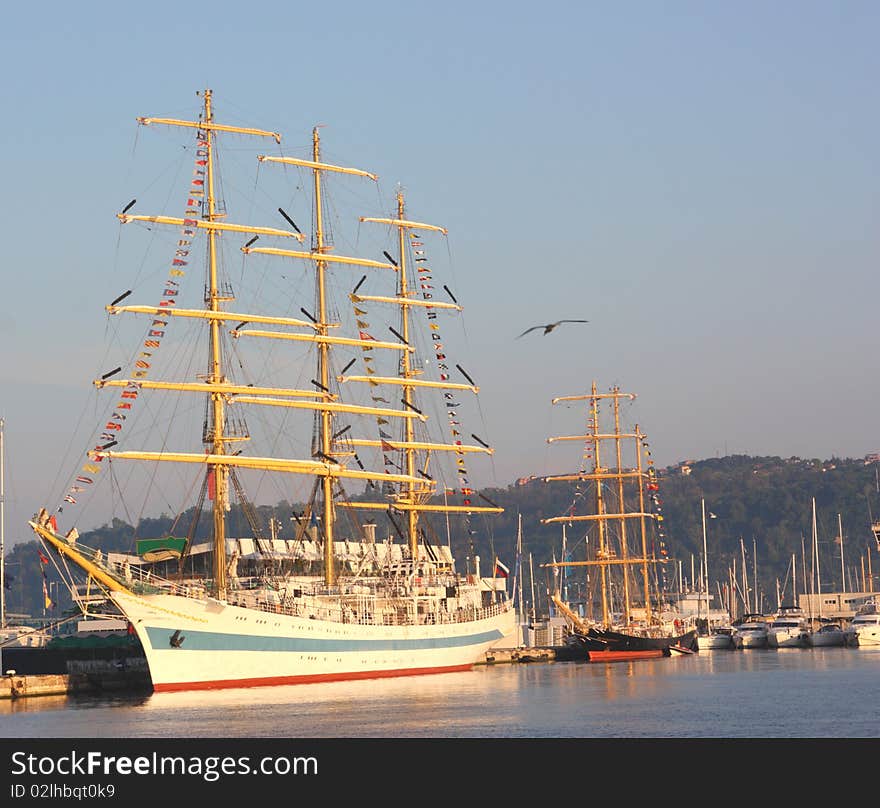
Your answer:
<point x="810" y="693"/>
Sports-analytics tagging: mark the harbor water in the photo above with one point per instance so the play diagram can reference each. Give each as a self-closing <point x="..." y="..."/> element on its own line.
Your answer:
<point x="760" y="693"/>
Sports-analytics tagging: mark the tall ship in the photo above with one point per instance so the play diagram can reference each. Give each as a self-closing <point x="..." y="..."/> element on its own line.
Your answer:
<point x="622" y="612"/>
<point x="296" y="388"/>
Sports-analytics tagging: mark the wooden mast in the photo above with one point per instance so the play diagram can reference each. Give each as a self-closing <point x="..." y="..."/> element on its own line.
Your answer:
<point x="213" y="298"/>
<point x="624" y="546"/>
<point x="214" y="436"/>
<point x="325" y="425"/>
<point x="641" y="484"/>
<point x="412" y="500"/>
<point x="407" y="373"/>
<point x="319" y="254"/>
<point x="600" y="509"/>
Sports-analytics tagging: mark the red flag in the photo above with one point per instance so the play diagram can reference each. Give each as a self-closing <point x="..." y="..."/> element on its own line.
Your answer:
<point x="42" y="557"/>
<point x="211" y="484"/>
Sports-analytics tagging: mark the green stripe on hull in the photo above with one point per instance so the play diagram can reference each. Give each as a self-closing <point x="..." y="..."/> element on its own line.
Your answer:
<point x="161" y="638"/>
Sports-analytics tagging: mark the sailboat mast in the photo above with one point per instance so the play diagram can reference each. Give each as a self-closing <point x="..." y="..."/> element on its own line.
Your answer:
<point x="532" y="585"/>
<point x="705" y="559"/>
<point x="325" y="426"/>
<point x="563" y="578"/>
<point x="755" y="571"/>
<point x="407" y="372"/>
<point x="600" y="504"/>
<point x="518" y="575"/>
<point x="842" y="568"/>
<point x="624" y="546"/>
<point x="816" y="553"/>
<point x="213" y="299"/>
<point x="641" y="484"/>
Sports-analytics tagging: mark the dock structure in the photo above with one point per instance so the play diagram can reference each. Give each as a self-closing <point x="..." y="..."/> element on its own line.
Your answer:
<point x="83" y="676"/>
<point x="13" y="686"/>
<point x="495" y="656"/>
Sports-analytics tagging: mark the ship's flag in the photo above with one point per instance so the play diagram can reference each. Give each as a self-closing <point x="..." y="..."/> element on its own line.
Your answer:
<point x="47" y="601"/>
<point x="44" y="561"/>
<point x="501" y="571"/>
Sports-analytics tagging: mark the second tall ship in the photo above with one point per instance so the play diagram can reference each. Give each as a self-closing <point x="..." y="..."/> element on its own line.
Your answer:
<point x="624" y="550"/>
<point x="334" y="600"/>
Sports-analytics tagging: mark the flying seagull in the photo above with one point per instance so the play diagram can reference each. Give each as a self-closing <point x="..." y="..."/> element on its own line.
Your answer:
<point x="550" y="326"/>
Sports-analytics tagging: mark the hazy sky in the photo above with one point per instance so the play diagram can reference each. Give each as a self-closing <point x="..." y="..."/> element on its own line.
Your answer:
<point x="697" y="179"/>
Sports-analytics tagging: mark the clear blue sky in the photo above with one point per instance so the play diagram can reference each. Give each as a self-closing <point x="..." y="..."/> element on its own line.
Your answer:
<point x="697" y="179"/>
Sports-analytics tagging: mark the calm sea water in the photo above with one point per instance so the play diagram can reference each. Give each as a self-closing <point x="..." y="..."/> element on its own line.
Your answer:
<point x="784" y="693"/>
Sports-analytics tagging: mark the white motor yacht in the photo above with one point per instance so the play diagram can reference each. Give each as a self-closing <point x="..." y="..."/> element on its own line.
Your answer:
<point x="865" y="625"/>
<point x="750" y="632"/>
<point x="719" y="637"/>
<point x="828" y="634"/>
<point x="788" y="629"/>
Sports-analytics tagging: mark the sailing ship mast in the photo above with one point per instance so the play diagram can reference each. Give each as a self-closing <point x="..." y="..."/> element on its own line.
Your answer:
<point x="815" y="552"/>
<point x="320" y="255"/>
<point x="705" y="564"/>
<point x="518" y="575"/>
<point x="606" y="555"/>
<point x="413" y="498"/>
<point x="214" y="433"/>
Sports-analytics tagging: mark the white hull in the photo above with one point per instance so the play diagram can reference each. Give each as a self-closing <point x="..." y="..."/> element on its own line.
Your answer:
<point x="865" y="627"/>
<point x="822" y="639"/>
<point x="750" y="642"/>
<point x="220" y="645"/>
<point x="749" y="637"/>
<point x="714" y="642"/>
<point x="868" y="636"/>
<point x="786" y="639"/>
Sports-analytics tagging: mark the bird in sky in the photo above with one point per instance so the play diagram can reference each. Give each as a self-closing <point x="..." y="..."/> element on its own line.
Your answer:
<point x="550" y="326"/>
